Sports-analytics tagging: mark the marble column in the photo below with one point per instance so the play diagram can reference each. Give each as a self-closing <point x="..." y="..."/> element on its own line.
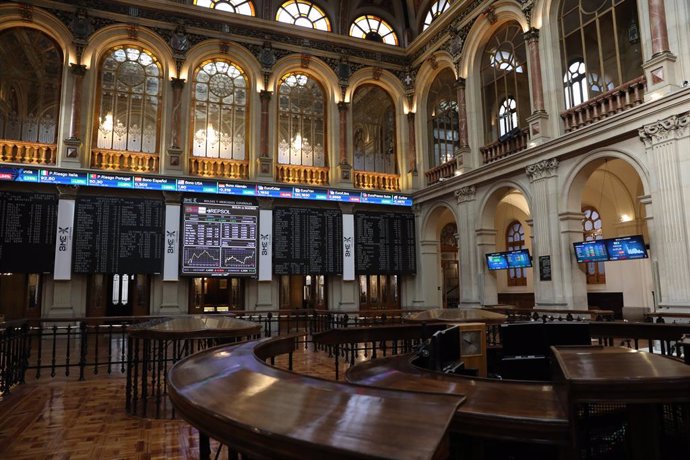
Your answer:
<point x="343" y="166"/>
<point x="265" y="162"/>
<point x="660" y="69"/>
<point x="411" y="148"/>
<point x="460" y="85"/>
<point x="470" y="265"/>
<point x="73" y="142"/>
<point x="175" y="150"/>
<point x="657" y="24"/>
<point x="547" y="238"/>
<point x="667" y="143"/>
<point x="538" y="119"/>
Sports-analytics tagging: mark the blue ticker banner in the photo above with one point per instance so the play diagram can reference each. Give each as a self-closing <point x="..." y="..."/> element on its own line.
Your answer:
<point x="158" y="183"/>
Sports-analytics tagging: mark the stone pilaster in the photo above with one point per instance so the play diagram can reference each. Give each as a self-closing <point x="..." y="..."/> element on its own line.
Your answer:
<point x="667" y="144"/>
<point x="544" y="186"/>
<point x="486" y="243"/>
<point x="470" y="266"/>
<point x="573" y="273"/>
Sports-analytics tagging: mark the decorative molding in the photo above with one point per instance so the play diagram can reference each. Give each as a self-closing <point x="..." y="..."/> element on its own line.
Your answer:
<point x="177" y="83"/>
<point x="542" y="170"/>
<point x="376" y="73"/>
<point x="662" y="130"/>
<point x="305" y="60"/>
<point x="78" y="70"/>
<point x="465" y="194"/>
<point x="531" y="35"/>
<point x="26" y="12"/>
<point x="527" y="8"/>
<point x="490" y="14"/>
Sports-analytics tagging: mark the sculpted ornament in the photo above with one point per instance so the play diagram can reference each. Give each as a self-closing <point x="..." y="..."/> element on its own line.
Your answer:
<point x="542" y="170"/>
<point x="662" y="130"/>
<point x="465" y="194"/>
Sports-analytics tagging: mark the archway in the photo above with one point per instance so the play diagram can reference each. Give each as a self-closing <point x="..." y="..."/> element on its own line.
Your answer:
<point x="440" y="258"/>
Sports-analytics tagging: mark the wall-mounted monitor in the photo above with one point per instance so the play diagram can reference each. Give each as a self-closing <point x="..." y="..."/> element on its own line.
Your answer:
<point x="591" y="251"/>
<point x="626" y="248"/>
<point x="519" y="258"/>
<point x="497" y="261"/>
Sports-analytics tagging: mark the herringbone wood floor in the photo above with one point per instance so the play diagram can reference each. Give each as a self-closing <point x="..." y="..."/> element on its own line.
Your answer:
<point x="68" y="419"/>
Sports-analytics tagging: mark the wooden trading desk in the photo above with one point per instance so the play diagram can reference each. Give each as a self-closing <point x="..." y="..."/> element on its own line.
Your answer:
<point x="231" y="395"/>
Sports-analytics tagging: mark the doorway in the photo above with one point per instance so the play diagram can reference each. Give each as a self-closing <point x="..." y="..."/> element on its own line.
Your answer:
<point x="21" y="295"/>
<point x="450" y="268"/>
<point x="215" y="295"/>
<point x="306" y="292"/>
<point x="118" y="294"/>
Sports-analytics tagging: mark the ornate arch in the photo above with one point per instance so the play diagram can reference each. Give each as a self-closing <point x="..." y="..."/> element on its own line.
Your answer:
<point x="430" y="229"/>
<point x="309" y="65"/>
<point x="212" y="49"/>
<point x="46" y="23"/>
<point x="490" y="199"/>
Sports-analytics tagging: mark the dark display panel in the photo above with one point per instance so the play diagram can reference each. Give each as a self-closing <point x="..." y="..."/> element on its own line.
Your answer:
<point x="307" y="241"/>
<point x="385" y="243"/>
<point x="626" y="248"/>
<point x="496" y="261"/>
<point x="219" y="238"/>
<point x="27" y="232"/>
<point x="118" y="235"/>
<point x="591" y="251"/>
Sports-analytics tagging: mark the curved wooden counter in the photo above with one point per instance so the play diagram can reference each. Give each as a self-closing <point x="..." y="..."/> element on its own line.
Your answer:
<point x="522" y="411"/>
<point x="231" y="395"/>
<point x="195" y="327"/>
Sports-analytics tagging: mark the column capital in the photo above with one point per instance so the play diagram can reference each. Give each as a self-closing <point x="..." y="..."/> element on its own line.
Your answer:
<point x="662" y="130"/>
<point x="465" y="194"/>
<point x="77" y="69"/>
<point x="460" y="83"/>
<point x="343" y="106"/>
<point x="265" y="95"/>
<point x="542" y="170"/>
<point x="531" y="35"/>
<point x="410" y="116"/>
<point x="177" y="83"/>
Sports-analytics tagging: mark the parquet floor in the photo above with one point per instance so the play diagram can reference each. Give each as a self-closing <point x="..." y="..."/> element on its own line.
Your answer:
<point x="67" y="419"/>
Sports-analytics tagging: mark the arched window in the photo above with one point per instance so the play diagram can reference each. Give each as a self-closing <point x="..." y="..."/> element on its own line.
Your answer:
<point x="302" y="121"/>
<point x="245" y="7"/>
<point x="219" y="108"/>
<point x="129" y="95"/>
<point x="435" y="11"/>
<point x="442" y="113"/>
<point x="505" y="85"/>
<point x="575" y="84"/>
<point x="374" y="130"/>
<point x="30" y="87"/>
<point x="592" y="230"/>
<point x="515" y="239"/>
<point x="507" y="116"/>
<point x="304" y="14"/>
<point x="373" y="28"/>
<point x="603" y="36"/>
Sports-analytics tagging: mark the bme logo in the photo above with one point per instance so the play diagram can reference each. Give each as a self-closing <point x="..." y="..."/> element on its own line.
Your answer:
<point x="171" y="239"/>
<point x="265" y="240"/>
<point x="63" y="238"/>
<point x="347" y="241"/>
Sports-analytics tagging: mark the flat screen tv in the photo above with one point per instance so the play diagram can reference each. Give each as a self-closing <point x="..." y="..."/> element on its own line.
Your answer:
<point x="519" y="258"/>
<point x="591" y="251"/>
<point x="497" y="261"/>
<point x="626" y="248"/>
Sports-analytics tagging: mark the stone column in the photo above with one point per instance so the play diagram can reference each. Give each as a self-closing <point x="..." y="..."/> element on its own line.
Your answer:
<point x="464" y="150"/>
<point x="573" y="272"/>
<point x="170" y="297"/>
<point x="660" y="68"/>
<point x="547" y="239"/>
<point x="343" y="165"/>
<point x="175" y="150"/>
<point x="411" y="150"/>
<point x="265" y="162"/>
<point x="667" y="144"/>
<point x="486" y="243"/>
<point x="73" y="142"/>
<point x="538" y="120"/>
<point x="470" y="266"/>
<point x="59" y="293"/>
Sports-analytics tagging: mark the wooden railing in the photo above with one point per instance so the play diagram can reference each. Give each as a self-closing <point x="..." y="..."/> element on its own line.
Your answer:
<point x="218" y="167"/>
<point x="12" y="151"/>
<point x="501" y="149"/>
<point x="377" y="181"/>
<point x="293" y="174"/>
<point x="605" y="105"/>
<point x="447" y="169"/>
<point x="119" y="160"/>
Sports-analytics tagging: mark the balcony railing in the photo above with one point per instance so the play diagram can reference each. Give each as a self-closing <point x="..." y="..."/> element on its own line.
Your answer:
<point x="118" y="160"/>
<point x="447" y="169"/>
<point x="294" y="174"/>
<point x="501" y="149"/>
<point x="605" y="105"/>
<point x="12" y="151"/>
<point x="377" y="181"/>
<point x="217" y="167"/>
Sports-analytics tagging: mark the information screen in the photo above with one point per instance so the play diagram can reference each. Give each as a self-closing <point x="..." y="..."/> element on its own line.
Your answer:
<point x="626" y="248"/>
<point x="385" y="243"/>
<point x="519" y="258"/>
<point x="307" y="241"/>
<point x="496" y="261"/>
<point x="27" y="232"/>
<point x="118" y="235"/>
<point x="219" y="238"/>
<point x="591" y="251"/>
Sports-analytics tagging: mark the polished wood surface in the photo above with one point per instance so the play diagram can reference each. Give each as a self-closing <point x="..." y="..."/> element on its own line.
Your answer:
<point x="457" y="315"/>
<point x="195" y="326"/>
<point x="622" y="374"/>
<point x="496" y="409"/>
<point x="231" y="395"/>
